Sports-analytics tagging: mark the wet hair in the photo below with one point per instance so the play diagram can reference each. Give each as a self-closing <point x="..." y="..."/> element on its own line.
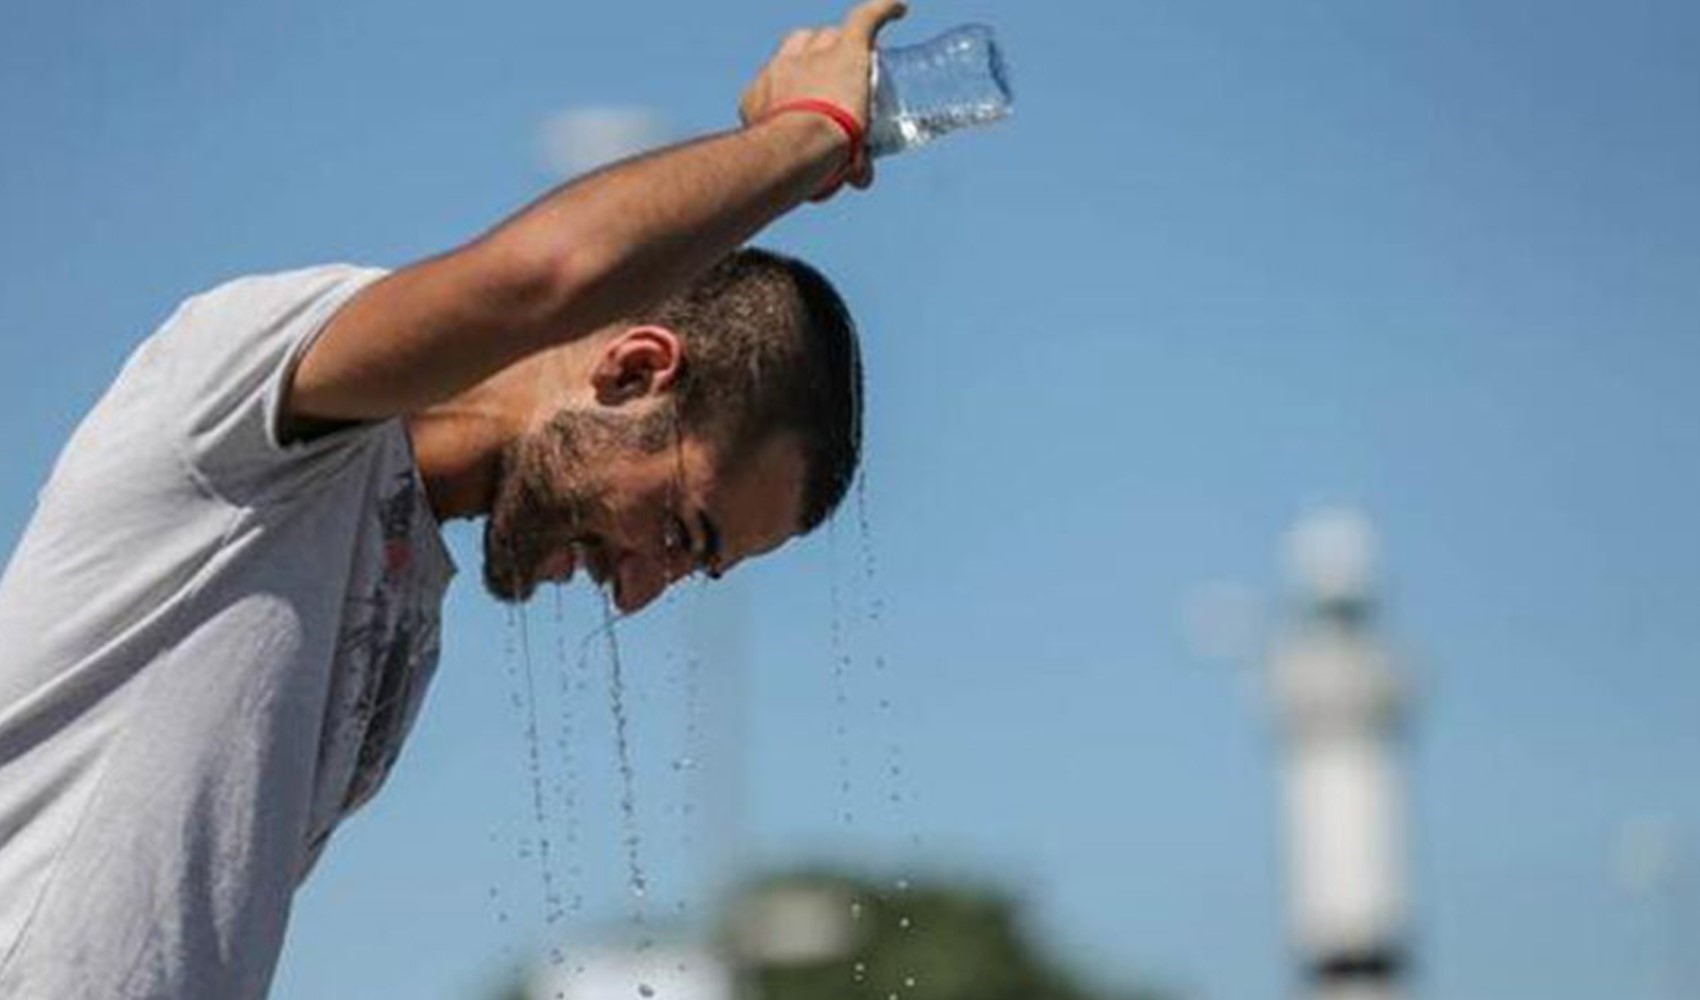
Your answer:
<point x="770" y="350"/>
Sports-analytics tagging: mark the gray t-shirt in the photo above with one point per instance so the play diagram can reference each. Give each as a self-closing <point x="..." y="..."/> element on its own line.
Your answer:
<point x="212" y="645"/>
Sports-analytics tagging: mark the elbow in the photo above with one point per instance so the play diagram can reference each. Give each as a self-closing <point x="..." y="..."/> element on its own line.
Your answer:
<point x="548" y="288"/>
<point x="530" y="284"/>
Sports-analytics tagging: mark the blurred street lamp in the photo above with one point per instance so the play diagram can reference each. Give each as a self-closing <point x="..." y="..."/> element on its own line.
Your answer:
<point x="1340" y="707"/>
<point x="1649" y="868"/>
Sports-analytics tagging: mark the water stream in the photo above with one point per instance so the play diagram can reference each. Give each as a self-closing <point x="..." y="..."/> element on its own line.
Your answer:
<point x="534" y="767"/>
<point x="893" y="776"/>
<point x="637" y="880"/>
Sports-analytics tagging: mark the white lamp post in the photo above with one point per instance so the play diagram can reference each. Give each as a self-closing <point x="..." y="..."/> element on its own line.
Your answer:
<point x="1340" y="705"/>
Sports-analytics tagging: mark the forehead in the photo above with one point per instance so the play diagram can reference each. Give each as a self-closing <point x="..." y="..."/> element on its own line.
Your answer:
<point x="757" y="502"/>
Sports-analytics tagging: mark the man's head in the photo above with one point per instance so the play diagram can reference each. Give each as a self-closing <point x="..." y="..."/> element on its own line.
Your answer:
<point x="715" y="426"/>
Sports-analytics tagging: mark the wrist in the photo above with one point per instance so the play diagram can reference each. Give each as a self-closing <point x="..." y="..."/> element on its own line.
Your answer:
<point x="829" y="128"/>
<point x="813" y="135"/>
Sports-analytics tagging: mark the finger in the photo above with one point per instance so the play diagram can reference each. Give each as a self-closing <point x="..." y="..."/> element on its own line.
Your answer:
<point x="863" y="24"/>
<point x="862" y="177"/>
<point x="754" y="99"/>
<point x="795" y="42"/>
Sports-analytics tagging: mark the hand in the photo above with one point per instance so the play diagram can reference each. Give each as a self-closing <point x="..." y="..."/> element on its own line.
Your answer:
<point x="829" y="64"/>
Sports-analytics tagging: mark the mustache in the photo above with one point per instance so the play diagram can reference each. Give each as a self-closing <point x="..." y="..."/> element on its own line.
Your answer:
<point x="543" y="503"/>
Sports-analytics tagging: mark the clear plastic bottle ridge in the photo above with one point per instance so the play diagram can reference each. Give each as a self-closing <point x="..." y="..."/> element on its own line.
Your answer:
<point x="920" y="92"/>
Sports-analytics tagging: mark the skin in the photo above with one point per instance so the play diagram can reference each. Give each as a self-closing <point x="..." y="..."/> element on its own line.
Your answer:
<point x="595" y="250"/>
<point x="481" y="347"/>
<point x="635" y="517"/>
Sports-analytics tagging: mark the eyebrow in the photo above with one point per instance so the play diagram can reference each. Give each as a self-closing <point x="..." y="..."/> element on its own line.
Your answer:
<point x="710" y="558"/>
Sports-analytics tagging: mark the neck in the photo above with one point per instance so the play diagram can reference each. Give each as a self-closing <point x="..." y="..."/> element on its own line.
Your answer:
<point x="459" y="443"/>
<point x="459" y="452"/>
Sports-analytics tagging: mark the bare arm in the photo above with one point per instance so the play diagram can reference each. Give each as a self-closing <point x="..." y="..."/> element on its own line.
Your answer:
<point x="594" y="250"/>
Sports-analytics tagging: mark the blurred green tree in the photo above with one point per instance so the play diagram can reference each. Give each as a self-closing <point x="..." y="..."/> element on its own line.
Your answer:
<point x="932" y="941"/>
<point x="822" y="935"/>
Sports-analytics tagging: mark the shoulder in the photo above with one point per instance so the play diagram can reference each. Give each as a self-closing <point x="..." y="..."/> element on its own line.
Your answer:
<point x="268" y="292"/>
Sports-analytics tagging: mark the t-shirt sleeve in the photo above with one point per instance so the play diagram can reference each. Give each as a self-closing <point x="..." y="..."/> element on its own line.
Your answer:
<point x="232" y="353"/>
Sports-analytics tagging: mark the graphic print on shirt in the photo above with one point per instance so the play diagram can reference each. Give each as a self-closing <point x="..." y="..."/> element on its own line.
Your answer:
<point x="388" y="635"/>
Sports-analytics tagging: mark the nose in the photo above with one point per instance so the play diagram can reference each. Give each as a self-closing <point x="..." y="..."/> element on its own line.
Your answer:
<point x="639" y="594"/>
<point x="646" y="580"/>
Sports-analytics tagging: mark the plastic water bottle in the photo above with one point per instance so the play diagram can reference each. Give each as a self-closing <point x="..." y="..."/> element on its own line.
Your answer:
<point x="920" y="92"/>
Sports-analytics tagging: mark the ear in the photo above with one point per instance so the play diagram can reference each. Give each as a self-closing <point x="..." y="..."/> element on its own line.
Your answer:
<point x="640" y="361"/>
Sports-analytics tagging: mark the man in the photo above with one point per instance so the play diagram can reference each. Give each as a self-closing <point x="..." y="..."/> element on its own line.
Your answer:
<point x="221" y="621"/>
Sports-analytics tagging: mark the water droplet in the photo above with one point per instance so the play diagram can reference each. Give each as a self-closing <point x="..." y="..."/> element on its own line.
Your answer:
<point x="902" y="885"/>
<point x="636" y="880"/>
<point x="645" y="990"/>
<point x="903" y="922"/>
<point x="856" y="913"/>
<point x="908" y="982"/>
<point x="861" y="971"/>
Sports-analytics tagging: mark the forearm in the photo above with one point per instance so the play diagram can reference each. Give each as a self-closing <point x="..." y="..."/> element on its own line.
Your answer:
<point x="581" y="257"/>
<point x="596" y="250"/>
<point x="620" y="239"/>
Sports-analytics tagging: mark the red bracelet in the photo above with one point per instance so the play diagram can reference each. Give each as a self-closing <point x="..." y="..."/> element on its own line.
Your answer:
<point x="841" y="117"/>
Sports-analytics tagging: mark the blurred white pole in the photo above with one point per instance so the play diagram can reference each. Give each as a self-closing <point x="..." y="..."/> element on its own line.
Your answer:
<point x="1649" y="866"/>
<point x="720" y="634"/>
<point x="1340" y="706"/>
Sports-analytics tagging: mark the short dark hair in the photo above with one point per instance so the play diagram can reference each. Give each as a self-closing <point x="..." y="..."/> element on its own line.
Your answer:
<point x="771" y="349"/>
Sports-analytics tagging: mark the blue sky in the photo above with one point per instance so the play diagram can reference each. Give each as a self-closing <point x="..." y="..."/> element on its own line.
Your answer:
<point x="1232" y="260"/>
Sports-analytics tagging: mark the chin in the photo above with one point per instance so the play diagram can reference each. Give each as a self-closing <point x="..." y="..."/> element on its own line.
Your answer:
<point x="506" y="584"/>
<point x="505" y="591"/>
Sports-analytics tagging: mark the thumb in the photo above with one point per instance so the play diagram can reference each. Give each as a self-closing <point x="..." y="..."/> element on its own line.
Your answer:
<point x="862" y="25"/>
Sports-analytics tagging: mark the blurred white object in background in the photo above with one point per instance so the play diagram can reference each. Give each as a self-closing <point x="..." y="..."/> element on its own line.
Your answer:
<point x="1340" y="707"/>
<point x="1648" y="857"/>
<point x="579" y="140"/>
<point x="794" y="925"/>
<point x="659" y="972"/>
<point x="1646" y="854"/>
<point x="1334" y="556"/>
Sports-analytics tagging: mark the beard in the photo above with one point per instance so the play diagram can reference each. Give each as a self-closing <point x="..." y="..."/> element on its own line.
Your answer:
<point x="547" y="497"/>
